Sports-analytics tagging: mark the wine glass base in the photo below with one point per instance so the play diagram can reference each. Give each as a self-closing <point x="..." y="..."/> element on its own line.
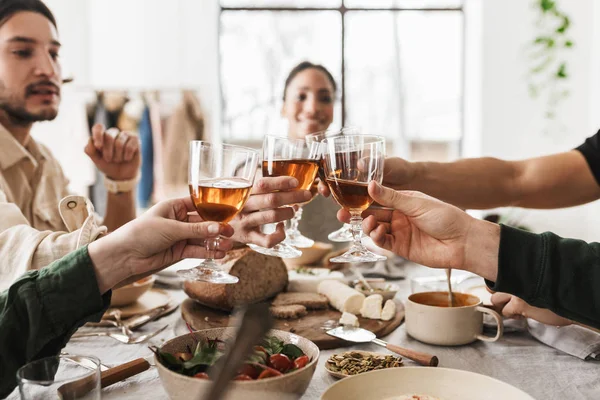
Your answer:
<point x="358" y="254"/>
<point x="207" y="274"/>
<point x="280" y="250"/>
<point x="342" y="235"/>
<point x="298" y="240"/>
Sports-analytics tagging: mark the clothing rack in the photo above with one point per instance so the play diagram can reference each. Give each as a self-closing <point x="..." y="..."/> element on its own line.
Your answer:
<point x="132" y="89"/>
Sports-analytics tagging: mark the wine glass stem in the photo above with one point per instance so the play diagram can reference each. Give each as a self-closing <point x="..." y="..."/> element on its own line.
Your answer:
<point x="295" y="220"/>
<point x="212" y="244"/>
<point x="356" y="221"/>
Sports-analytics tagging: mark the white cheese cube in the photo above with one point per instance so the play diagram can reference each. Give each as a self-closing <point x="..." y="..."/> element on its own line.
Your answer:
<point x="348" y="319"/>
<point x="389" y="310"/>
<point x="371" y="307"/>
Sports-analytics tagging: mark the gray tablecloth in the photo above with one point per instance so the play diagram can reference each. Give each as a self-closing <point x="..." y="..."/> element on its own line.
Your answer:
<point x="518" y="359"/>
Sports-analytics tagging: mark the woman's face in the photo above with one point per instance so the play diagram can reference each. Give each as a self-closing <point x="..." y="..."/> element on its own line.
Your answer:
<point x="308" y="104"/>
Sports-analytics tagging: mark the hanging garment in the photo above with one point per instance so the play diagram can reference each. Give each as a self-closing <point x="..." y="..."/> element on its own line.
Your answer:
<point x="185" y="124"/>
<point x="144" y="190"/>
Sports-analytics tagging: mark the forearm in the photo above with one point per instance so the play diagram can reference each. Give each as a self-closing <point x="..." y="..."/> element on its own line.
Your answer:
<point x="110" y="265"/>
<point x="120" y="209"/>
<point x="42" y="309"/>
<point x="554" y="181"/>
<point x="476" y="183"/>
<point x="550" y="272"/>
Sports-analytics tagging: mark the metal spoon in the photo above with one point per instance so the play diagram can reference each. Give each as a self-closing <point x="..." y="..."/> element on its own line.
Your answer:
<point x="450" y="294"/>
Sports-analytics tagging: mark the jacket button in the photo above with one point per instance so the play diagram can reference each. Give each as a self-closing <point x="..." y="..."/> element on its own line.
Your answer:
<point x="72" y="204"/>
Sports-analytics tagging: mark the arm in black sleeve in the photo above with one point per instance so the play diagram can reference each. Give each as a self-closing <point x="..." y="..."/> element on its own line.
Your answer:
<point x="547" y="271"/>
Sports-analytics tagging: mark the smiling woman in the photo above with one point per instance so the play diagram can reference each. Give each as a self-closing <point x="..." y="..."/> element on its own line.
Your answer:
<point x="308" y="99"/>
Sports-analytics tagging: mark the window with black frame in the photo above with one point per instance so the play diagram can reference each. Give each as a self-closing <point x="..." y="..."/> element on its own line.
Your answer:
<point x="399" y="64"/>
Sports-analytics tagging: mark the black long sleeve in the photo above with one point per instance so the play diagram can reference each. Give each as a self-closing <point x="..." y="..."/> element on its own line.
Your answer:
<point x="545" y="270"/>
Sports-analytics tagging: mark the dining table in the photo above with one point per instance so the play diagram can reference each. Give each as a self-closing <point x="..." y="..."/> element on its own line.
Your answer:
<point x="517" y="358"/>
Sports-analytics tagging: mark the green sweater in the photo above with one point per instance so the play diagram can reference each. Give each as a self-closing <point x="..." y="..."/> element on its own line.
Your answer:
<point x="547" y="271"/>
<point x="42" y="309"/>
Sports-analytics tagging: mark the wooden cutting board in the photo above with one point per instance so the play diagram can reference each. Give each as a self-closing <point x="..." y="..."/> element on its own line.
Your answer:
<point x="309" y="326"/>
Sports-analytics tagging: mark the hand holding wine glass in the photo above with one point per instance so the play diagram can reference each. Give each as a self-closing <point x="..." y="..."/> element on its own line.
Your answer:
<point x="351" y="162"/>
<point x="283" y="156"/>
<point x="220" y="181"/>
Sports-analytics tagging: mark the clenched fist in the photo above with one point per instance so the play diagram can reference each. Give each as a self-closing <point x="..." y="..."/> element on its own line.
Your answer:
<point x="115" y="153"/>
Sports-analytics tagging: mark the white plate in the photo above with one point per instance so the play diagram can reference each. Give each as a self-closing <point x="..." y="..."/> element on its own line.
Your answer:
<point x="444" y="383"/>
<point x="183" y="264"/>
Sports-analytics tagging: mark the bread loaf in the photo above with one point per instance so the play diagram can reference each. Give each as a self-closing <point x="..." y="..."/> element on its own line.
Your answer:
<point x="341" y="296"/>
<point x="261" y="277"/>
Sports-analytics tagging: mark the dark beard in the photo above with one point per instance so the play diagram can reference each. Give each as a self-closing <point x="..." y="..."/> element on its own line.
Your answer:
<point x="15" y="108"/>
<point x="20" y="116"/>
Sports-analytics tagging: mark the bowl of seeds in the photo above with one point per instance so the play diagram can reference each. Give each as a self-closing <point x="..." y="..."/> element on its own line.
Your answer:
<point x="356" y="362"/>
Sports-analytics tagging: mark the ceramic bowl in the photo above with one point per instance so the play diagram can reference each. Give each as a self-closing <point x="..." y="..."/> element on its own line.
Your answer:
<point x="310" y="256"/>
<point x="289" y="386"/>
<point x="441" y="383"/>
<point x="128" y="294"/>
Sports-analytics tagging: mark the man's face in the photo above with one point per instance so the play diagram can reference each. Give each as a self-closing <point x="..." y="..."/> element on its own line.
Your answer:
<point x="30" y="73"/>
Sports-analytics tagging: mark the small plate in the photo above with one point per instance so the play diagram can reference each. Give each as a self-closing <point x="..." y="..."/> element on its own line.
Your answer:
<point x="154" y="298"/>
<point x="340" y="375"/>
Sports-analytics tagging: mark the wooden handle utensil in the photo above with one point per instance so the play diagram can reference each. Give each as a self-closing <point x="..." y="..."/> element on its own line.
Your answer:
<point x="78" y="389"/>
<point x="123" y="371"/>
<point x="425" y="359"/>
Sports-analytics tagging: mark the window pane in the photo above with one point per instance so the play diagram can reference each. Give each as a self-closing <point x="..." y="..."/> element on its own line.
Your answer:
<point x="409" y="85"/>
<point x="281" y="3"/>
<point x="258" y="49"/>
<point x="403" y="3"/>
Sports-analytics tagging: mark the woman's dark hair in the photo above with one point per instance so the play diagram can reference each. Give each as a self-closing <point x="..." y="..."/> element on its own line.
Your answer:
<point x="8" y="8"/>
<point x="307" y="65"/>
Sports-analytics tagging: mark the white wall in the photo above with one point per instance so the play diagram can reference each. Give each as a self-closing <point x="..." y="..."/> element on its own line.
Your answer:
<point x="145" y="43"/>
<point x="513" y="124"/>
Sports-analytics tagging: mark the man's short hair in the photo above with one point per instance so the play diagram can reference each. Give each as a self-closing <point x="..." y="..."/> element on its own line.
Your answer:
<point x="8" y="8"/>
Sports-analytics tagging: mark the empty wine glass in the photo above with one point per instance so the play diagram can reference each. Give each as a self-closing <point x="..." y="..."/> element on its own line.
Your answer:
<point x="220" y="182"/>
<point x="344" y="234"/>
<point x="283" y="156"/>
<point x="351" y="162"/>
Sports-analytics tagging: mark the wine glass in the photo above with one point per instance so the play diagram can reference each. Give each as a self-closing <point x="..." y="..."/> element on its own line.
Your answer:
<point x="220" y="181"/>
<point x="351" y="162"/>
<point x="283" y="156"/>
<point x="344" y="234"/>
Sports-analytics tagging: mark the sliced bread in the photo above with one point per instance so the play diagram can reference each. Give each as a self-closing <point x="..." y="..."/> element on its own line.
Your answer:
<point x="293" y="311"/>
<point x="312" y="301"/>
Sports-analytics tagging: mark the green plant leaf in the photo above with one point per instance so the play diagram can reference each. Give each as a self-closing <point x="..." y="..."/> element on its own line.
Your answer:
<point x="565" y="24"/>
<point x="547" y="5"/>
<point x="562" y="71"/>
<point x="569" y="43"/>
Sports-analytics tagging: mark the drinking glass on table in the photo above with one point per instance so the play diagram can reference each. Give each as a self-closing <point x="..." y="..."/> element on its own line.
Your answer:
<point x="60" y="377"/>
<point x="344" y="234"/>
<point x="351" y="162"/>
<point x="283" y="156"/>
<point x="220" y="181"/>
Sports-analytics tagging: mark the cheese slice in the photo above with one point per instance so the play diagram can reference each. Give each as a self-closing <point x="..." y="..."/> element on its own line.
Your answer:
<point x="348" y="319"/>
<point x="341" y="296"/>
<point x="389" y="310"/>
<point x="371" y="307"/>
<point x="308" y="279"/>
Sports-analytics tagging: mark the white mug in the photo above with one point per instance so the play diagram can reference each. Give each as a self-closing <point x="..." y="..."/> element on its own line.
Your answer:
<point x="430" y="320"/>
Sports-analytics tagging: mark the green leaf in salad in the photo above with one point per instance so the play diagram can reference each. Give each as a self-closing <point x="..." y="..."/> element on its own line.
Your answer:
<point x="292" y="351"/>
<point x="272" y="345"/>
